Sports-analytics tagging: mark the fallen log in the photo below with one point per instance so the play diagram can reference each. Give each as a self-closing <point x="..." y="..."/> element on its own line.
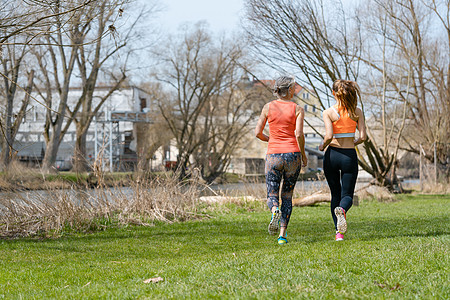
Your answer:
<point x="318" y="198"/>
<point x="312" y="199"/>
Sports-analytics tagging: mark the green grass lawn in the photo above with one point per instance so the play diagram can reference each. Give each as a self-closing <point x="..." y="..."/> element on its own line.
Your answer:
<point x="397" y="250"/>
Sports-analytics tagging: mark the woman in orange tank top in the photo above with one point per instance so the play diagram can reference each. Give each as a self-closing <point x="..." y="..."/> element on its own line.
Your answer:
<point x="285" y="152"/>
<point x="340" y="162"/>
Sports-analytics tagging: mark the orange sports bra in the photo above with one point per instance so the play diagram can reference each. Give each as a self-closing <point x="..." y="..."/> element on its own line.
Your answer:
<point x="344" y="126"/>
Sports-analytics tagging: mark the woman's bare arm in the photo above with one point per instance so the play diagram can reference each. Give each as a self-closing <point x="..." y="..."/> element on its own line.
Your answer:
<point x="328" y="131"/>
<point x="361" y="128"/>
<point x="299" y="135"/>
<point x="262" y="123"/>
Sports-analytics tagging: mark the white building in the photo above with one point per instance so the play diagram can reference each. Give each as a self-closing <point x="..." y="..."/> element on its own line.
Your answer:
<point x="111" y="130"/>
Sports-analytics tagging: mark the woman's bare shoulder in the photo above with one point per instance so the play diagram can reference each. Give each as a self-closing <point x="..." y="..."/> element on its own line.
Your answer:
<point x="298" y="108"/>
<point x="265" y="108"/>
<point x="327" y="111"/>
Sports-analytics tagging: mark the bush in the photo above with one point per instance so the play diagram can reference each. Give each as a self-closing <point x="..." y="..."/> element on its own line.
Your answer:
<point x="53" y="212"/>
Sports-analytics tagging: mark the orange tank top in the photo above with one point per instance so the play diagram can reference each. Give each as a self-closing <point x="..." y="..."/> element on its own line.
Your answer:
<point x="282" y="120"/>
<point x="344" y="126"/>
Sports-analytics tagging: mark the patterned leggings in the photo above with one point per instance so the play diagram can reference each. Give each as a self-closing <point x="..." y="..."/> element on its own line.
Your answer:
<point x="286" y="167"/>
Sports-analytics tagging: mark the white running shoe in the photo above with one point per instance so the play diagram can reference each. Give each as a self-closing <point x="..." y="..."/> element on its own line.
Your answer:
<point x="341" y="219"/>
<point x="274" y="224"/>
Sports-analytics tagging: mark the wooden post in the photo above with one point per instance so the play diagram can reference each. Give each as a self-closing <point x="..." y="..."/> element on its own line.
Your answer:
<point x="435" y="164"/>
<point x="420" y="168"/>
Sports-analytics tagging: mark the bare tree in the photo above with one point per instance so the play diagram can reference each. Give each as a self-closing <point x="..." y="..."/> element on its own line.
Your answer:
<point x="22" y="22"/>
<point x="201" y="104"/>
<point x="77" y="43"/>
<point x="226" y="121"/>
<point x="157" y="134"/>
<point x="12" y="72"/>
<point x="301" y="35"/>
<point x="386" y="107"/>
<point x="296" y="35"/>
<point x="32" y="18"/>
<point x="93" y="59"/>
<point x="420" y="55"/>
<point x="56" y="63"/>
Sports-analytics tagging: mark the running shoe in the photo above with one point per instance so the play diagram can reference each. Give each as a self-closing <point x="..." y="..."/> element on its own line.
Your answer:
<point x="339" y="236"/>
<point x="274" y="224"/>
<point x="282" y="240"/>
<point x="341" y="219"/>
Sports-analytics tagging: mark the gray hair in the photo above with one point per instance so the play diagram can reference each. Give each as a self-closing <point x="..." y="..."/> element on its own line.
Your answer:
<point x="282" y="85"/>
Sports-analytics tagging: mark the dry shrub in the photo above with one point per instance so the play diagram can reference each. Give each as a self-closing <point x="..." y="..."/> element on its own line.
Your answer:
<point x="52" y="212"/>
<point x="17" y="171"/>
<point x="17" y="175"/>
<point x="5" y="184"/>
<point x="374" y="192"/>
<point x="435" y="188"/>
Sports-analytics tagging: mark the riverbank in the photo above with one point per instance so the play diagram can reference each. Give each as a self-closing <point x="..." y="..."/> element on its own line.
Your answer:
<point x="231" y="255"/>
<point x="34" y="180"/>
<point x="21" y="179"/>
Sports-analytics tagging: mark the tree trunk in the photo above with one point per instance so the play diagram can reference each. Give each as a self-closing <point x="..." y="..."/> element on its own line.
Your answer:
<point x="182" y="163"/>
<point x="80" y="163"/>
<point x="51" y="150"/>
<point x="8" y="142"/>
<point x="12" y="128"/>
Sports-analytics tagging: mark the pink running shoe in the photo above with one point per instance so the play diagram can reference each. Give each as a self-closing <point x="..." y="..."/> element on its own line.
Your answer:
<point x="339" y="236"/>
<point x="341" y="219"/>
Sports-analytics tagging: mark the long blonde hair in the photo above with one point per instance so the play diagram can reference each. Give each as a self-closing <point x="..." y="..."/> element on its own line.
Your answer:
<point x="347" y="92"/>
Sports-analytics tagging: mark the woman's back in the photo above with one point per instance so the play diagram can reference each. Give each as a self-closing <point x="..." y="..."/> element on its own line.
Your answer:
<point x="282" y="121"/>
<point x="344" y="127"/>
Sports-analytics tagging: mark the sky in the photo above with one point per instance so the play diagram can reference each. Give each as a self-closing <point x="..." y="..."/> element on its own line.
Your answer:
<point x="221" y="15"/>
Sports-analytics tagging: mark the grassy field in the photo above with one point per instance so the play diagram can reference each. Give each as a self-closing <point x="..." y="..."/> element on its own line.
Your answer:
<point x="396" y="250"/>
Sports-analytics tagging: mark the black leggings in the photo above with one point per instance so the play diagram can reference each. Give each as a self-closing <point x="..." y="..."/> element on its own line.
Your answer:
<point x="341" y="170"/>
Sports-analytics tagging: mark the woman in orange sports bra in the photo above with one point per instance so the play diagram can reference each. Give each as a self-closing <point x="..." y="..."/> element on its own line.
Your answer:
<point x="285" y="152"/>
<point x="340" y="162"/>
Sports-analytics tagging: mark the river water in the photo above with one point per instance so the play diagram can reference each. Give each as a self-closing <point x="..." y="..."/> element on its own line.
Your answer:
<point x="233" y="189"/>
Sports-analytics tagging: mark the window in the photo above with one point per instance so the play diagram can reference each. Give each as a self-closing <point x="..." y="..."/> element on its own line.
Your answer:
<point x="306" y="108"/>
<point x="167" y="152"/>
<point x="143" y="103"/>
<point x="314" y="108"/>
